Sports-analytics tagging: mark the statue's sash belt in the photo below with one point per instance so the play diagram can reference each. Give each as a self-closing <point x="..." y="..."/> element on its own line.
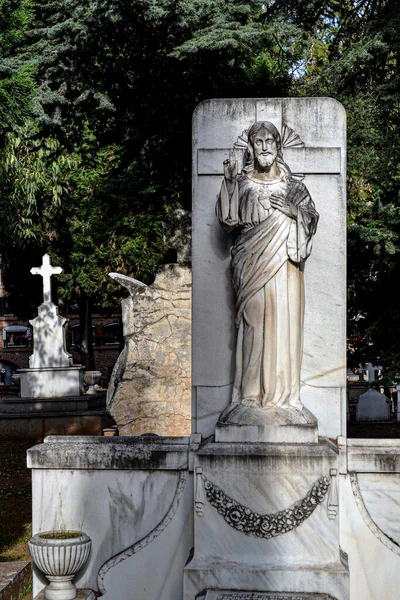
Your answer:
<point x="257" y="256"/>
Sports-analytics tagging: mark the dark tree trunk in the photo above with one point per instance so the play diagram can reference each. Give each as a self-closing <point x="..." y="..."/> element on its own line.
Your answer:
<point x="86" y="331"/>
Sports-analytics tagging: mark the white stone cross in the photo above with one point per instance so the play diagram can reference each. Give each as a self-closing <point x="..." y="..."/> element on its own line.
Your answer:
<point x="46" y="271"/>
<point x="306" y="160"/>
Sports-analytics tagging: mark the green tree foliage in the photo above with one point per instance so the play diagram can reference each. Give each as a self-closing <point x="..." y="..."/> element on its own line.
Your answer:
<point x="96" y="120"/>
<point x="16" y="77"/>
<point x="117" y="84"/>
<point x="353" y="55"/>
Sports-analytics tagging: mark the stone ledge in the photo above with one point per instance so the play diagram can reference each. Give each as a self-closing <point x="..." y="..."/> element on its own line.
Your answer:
<point x="34" y="370"/>
<point x="306" y="459"/>
<point x="82" y="595"/>
<point x="92" y="452"/>
<point x="14" y="576"/>
<point x="257" y="595"/>
<point x="373" y="455"/>
<point x="324" y="448"/>
<point x="333" y="579"/>
<point x="95" y="412"/>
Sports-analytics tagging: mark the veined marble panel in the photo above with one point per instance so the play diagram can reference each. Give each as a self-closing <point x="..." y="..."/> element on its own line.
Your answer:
<point x="265" y="479"/>
<point x="381" y="495"/>
<point x="374" y="566"/>
<point x="125" y="513"/>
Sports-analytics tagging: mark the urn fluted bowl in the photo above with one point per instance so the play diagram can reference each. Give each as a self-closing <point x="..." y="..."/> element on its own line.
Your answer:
<point x="91" y="378"/>
<point x="60" y="555"/>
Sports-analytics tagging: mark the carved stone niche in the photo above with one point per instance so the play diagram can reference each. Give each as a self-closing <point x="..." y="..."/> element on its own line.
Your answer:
<point x="248" y="595"/>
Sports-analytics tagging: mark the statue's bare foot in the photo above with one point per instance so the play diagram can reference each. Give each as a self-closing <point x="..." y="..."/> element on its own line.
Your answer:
<point x="251" y="402"/>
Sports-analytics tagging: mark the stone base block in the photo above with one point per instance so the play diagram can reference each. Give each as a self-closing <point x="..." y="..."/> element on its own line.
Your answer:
<point x="81" y="595"/>
<point x="240" y="423"/>
<point x="254" y="595"/>
<point x="51" y="382"/>
<point x="266" y="519"/>
<point x="285" y="434"/>
<point x="229" y="581"/>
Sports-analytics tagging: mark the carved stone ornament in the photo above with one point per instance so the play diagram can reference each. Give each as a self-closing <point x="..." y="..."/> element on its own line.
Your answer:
<point x="277" y="220"/>
<point x="271" y="525"/>
<point x="267" y="596"/>
<point x="289" y="139"/>
<point x="372" y="526"/>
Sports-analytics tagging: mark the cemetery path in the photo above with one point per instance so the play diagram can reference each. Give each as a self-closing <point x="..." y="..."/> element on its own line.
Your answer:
<point x="15" y="501"/>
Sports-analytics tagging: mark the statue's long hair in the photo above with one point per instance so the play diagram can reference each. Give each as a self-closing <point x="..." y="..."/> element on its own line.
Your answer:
<point x="249" y="157"/>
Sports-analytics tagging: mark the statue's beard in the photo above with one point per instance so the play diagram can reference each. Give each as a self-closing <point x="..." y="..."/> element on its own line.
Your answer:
<point x="266" y="160"/>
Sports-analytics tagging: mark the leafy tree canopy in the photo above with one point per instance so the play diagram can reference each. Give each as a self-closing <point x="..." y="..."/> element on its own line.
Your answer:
<point x="95" y="120"/>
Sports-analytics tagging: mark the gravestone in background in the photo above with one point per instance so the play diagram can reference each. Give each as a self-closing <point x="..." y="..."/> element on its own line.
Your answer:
<point x="51" y="373"/>
<point x="373" y="406"/>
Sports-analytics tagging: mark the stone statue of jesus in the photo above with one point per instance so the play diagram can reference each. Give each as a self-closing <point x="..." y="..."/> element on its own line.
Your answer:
<point x="277" y="221"/>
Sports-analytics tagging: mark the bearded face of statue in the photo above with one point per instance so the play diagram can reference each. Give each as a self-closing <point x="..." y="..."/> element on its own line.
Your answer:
<point x="265" y="149"/>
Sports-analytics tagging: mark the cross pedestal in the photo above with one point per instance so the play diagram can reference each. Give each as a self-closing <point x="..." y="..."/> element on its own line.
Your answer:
<point x="51" y="372"/>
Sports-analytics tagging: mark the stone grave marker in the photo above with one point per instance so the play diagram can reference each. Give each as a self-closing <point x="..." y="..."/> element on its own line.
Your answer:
<point x="373" y="406"/>
<point x="51" y="372"/>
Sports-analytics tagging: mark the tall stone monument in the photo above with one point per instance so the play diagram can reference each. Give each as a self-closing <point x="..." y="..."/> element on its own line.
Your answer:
<point x="268" y="366"/>
<point x="313" y="163"/>
<point x="51" y="373"/>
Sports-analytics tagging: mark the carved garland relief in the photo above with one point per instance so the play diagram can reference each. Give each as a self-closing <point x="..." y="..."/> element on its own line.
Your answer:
<point x="266" y="526"/>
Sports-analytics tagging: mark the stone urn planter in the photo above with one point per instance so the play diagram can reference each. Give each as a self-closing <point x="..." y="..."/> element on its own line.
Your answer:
<point x="16" y="379"/>
<point x="90" y="378"/>
<point x="60" y="555"/>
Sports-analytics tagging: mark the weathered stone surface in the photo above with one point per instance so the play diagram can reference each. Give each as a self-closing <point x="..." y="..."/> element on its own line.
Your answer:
<point x="139" y="519"/>
<point x="82" y="595"/>
<point x="320" y="162"/>
<point x="102" y="453"/>
<point x="13" y="578"/>
<point x="247" y="595"/>
<point x="152" y="392"/>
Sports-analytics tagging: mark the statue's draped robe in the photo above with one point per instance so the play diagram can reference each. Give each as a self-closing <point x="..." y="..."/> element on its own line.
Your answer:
<point x="267" y="264"/>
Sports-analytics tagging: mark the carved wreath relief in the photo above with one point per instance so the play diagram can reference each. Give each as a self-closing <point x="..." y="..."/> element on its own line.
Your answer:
<point x="266" y="526"/>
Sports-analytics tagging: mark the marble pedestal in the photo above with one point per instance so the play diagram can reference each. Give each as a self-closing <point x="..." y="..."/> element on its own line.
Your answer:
<point x="243" y="595"/>
<point x="51" y="382"/>
<point x="240" y="423"/>
<point x="266" y="520"/>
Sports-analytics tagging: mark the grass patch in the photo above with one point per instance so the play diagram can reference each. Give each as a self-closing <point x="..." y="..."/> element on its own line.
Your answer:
<point x="15" y="501"/>
<point x="26" y="594"/>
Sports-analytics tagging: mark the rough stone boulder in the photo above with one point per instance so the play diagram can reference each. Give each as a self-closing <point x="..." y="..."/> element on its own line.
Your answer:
<point x="150" y="391"/>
